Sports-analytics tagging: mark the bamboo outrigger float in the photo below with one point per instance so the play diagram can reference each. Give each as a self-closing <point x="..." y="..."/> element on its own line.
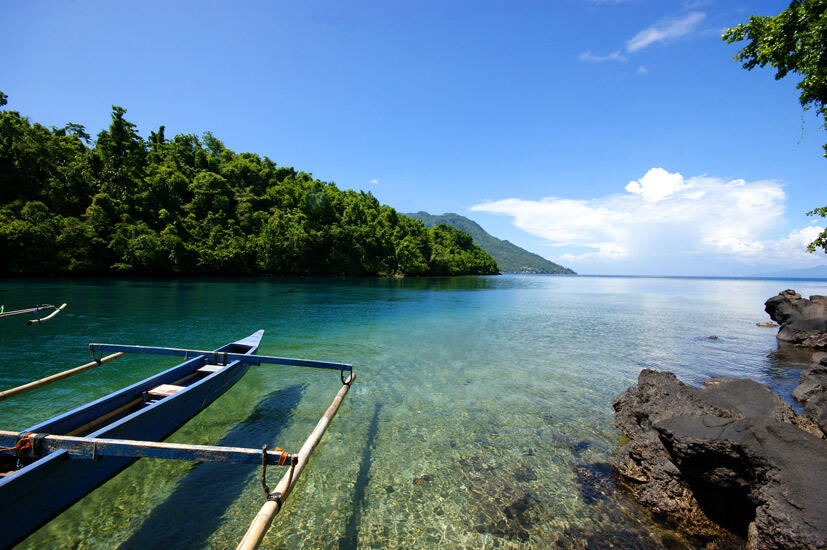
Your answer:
<point x="50" y="466"/>
<point x="36" y="310"/>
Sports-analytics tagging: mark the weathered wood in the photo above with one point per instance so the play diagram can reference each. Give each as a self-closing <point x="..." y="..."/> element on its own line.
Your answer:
<point x="209" y="369"/>
<point x="27" y="310"/>
<point x="55" y="377"/>
<point x="261" y="523"/>
<point x="223" y="357"/>
<point x="104" y="418"/>
<point x="86" y="428"/>
<point x="83" y="447"/>
<point x="36" y="494"/>
<point x="52" y="314"/>
<point x="164" y="390"/>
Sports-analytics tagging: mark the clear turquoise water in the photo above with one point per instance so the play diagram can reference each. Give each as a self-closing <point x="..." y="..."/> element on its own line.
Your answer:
<point x="480" y="417"/>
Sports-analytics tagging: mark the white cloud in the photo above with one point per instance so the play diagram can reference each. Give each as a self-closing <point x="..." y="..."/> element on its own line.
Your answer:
<point x="663" y="30"/>
<point x="693" y="4"/>
<point x="642" y="70"/>
<point x="374" y="181"/>
<point x="592" y="58"/>
<point x="656" y="184"/>
<point x="666" y="219"/>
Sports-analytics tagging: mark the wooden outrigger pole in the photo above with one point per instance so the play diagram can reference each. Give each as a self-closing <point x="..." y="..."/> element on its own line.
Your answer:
<point x="55" y="377"/>
<point x="49" y="316"/>
<point x="261" y="523"/>
<point x="36" y="311"/>
<point x="39" y="448"/>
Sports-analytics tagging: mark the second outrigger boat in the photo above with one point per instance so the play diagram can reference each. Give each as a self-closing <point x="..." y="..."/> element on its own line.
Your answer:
<point x="50" y="466"/>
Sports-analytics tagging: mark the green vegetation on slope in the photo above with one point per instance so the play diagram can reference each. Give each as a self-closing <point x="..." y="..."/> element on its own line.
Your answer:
<point x="190" y="205"/>
<point x="510" y="257"/>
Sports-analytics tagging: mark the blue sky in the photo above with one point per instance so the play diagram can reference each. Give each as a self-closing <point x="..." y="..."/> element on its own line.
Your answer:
<point x="611" y="136"/>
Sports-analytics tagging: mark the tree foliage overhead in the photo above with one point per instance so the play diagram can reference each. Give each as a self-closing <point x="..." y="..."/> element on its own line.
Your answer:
<point x="793" y="41"/>
<point x="189" y="205"/>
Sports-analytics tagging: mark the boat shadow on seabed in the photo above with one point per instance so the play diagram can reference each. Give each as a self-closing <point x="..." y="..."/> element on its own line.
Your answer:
<point x="215" y="486"/>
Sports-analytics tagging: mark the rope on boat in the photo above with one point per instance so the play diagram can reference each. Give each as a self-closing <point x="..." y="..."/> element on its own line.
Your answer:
<point x="276" y="497"/>
<point x="23" y="443"/>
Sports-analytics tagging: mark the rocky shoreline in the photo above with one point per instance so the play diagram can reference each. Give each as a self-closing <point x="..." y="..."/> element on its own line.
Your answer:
<point x="731" y="463"/>
<point x="803" y="322"/>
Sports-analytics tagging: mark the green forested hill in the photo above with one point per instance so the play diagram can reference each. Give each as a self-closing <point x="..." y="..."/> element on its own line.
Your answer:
<point x="190" y="205"/>
<point x="510" y="257"/>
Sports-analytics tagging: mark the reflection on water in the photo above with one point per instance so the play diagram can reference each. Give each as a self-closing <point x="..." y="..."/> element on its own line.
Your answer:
<point x="351" y="538"/>
<point x="215" y="486"/>
<point x="481" y="415"/>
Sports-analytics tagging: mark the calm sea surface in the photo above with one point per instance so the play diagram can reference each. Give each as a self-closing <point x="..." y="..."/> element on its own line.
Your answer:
<point x="481" y="416"/>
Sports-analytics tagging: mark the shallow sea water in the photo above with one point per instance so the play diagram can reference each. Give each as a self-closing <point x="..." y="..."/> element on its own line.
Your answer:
<point x="480" y="418"/>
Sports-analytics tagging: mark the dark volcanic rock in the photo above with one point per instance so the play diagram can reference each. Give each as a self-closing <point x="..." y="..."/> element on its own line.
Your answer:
<point x="754" y="468"/>
<point x="812" y="392"/>
<point x="594" y="481"/>
<point x="727" y="458"/>
<point x="803" y="322"/>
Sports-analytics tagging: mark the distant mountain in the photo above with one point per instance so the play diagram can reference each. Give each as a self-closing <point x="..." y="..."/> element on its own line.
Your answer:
<point x="817" y="272"/>
<point x="510" y="257"/>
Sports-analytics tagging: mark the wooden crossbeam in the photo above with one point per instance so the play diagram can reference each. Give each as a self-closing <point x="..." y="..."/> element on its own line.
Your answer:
<point x="90" y="448"/>
<point x="222" y="357"/>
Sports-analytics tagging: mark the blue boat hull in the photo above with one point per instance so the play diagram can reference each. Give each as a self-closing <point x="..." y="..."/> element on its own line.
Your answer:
<point x="35" y="494"/>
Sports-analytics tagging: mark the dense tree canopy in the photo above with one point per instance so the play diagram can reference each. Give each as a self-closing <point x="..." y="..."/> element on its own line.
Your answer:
<point x="793" y="41"/>
<point x="189" y="205"/>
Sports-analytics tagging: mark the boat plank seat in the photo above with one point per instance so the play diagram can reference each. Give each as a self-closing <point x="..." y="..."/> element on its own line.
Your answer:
<point x="211" y="368"/>
<point x="164" y="390"/>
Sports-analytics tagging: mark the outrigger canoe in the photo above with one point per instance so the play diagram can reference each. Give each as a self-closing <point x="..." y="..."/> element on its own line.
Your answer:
<point x="55" y="463"/>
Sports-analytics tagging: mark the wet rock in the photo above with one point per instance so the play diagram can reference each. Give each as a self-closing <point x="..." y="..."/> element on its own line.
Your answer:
<point x="515" y="520"/>
<point x="422" y="479"/>
<point x="811" y="382"/>
<point x="729" y="457"/>
<point x="576" y="446"/>
<point x="610" y="537"/>
<point x="519" y="506"/>
<point x="594" y="481"/>
<point x="713" y="337"/>
<point x="487" y="493"/>
<point x="812" y="393"/>
<point x="803" y="322"/>
<point x="816" y="410"/>
<point x="524" y="473"/>
<point x="581" y="446"/>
